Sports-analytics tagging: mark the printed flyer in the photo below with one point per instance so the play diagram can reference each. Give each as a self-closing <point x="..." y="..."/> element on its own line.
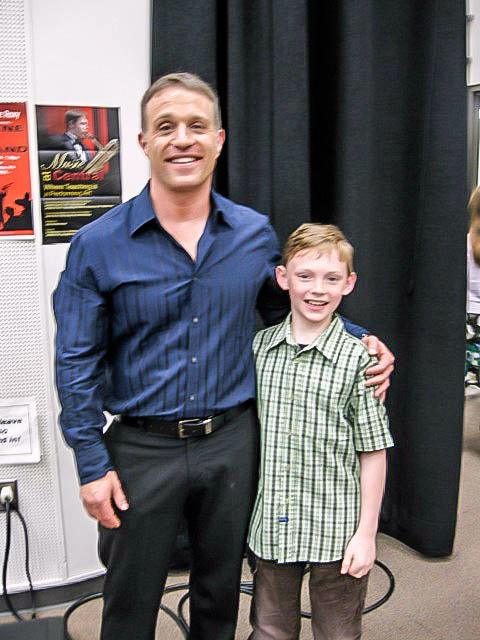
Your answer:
<point x="19" y="439"/>
<point x="15" y="190"/>
<point x="79" y="163"/>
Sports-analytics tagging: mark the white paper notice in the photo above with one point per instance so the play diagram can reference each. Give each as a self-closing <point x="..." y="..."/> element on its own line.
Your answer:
<point x="18" y="431"/>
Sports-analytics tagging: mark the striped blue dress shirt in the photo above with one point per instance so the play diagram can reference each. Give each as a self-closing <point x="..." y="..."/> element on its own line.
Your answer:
<point x="142" y="329"/>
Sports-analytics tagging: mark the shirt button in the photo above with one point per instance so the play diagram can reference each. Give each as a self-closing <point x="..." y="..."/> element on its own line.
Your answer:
<point x="195" y="320"/>
<point x="194" y="360"/>
<point x="195" y="279"/>
<point x="191" y="398"/>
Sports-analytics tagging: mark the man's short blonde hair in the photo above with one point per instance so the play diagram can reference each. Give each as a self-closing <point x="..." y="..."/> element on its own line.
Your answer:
<point x="323" y="238"/>
<point x="188" y="81"/>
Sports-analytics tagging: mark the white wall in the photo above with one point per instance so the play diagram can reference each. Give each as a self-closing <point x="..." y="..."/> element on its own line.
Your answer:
<point x="473" y="42"/>
<point x="111" y="67"/>
<point x="87" y="53"/>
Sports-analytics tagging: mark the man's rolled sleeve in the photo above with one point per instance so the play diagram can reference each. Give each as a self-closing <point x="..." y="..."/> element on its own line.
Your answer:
<point x="368" y="414"/>
<point x="273" y="304"/>
<point x="81" y="344"/>
<point x="353" y="329"/>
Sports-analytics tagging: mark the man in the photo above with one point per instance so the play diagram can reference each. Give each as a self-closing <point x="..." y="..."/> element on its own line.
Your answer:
<point x="156" y="315"/>
<point x="76" y="129"/>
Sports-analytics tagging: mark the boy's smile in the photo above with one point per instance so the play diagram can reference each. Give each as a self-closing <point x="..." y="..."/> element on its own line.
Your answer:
<point x="316" y="283"/>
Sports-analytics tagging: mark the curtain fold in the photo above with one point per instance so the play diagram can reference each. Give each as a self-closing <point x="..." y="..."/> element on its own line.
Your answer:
<point x="355" y="113"/>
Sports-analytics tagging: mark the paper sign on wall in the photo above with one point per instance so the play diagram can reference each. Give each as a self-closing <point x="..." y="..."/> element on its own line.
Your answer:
<point x="19" y="441"/>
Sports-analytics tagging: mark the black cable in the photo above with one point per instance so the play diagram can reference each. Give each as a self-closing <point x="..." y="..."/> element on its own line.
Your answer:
<point x="27" y="562"/>
<point x="13" y="611"/>
<point x="245" y="588"/>
<point x="374" y="605"/>
<point x="391" y="589"/>
<point x="178" y="618"/>
<point x="94" y="596"/>
<point x="180" y="606"/>
<point x="5" y="563"/>
<point x="73" y="607"/>
<point x="183" y="626"/>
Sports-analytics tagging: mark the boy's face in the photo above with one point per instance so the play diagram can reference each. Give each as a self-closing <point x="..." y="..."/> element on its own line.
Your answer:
<point x="316" y="284"/>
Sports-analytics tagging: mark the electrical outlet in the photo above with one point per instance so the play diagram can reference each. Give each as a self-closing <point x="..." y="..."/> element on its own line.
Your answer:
<point x="13" y="486"/>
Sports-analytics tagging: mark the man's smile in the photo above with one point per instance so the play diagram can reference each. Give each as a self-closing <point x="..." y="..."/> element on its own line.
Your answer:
<point x="183" y="159"/>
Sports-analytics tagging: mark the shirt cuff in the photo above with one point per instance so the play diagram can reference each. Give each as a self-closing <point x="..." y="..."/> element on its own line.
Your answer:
<point x="93" y="462"/>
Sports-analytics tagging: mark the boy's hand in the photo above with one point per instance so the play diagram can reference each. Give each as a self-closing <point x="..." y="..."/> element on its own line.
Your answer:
<point x="359" y="555"/>
<point x="379" y="375"/>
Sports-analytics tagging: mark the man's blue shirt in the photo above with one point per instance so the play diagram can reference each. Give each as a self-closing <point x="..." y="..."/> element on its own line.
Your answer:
<point x="142" y="329"/>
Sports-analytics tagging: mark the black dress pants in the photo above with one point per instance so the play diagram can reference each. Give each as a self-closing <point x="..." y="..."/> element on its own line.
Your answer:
<point x="211" y="480"/>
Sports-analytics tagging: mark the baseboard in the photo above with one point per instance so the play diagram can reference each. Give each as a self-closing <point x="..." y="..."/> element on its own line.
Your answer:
<point x="51" y="596"/>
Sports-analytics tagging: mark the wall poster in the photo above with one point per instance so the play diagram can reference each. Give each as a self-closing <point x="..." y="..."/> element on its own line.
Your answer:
<point x="79" y="164"/>
<point x="15" y="190"/>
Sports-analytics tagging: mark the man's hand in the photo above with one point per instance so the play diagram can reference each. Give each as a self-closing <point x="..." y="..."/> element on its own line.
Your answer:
<point x="97" y="498"/>
<point x="359" y="556"/>
<point x="379" y="375"/>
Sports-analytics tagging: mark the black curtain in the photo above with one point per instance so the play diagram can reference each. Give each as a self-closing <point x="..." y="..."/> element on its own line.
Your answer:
<point x="355" y="113"/>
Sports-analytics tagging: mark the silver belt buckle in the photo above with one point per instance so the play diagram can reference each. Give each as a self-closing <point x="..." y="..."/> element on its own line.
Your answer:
<point x="194" y="422"/>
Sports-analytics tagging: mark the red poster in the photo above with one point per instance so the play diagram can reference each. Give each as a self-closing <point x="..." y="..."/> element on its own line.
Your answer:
<point x="15" y="190"/>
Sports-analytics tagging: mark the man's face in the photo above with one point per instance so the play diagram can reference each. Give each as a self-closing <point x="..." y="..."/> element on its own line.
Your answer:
<point x="79" y="128"/>
<point x="181" y="139"/>
<point x="316" y="284"/>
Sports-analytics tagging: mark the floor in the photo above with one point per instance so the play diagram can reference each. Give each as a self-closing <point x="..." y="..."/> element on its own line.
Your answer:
<point x="433" y="599"/>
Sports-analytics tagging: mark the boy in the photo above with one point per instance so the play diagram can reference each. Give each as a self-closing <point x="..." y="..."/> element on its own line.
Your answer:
<point x="323" y="460"/>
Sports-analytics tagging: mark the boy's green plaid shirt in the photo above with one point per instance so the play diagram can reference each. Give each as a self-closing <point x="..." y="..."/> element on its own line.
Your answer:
<point x="315" y="414"/>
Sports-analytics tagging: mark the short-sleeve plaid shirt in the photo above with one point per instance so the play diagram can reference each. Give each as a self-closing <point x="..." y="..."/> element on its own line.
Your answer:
<point x="315" y="414"/>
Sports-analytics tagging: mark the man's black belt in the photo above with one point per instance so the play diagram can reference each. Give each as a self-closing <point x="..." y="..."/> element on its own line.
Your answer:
<point x="187" y="428"/>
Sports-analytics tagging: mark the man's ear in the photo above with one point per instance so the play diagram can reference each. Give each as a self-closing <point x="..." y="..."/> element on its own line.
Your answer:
<point x="350" y="284"/>
<point x="281" y="275"/>
<point x="220" y="140"/>
<point x="142" y="142"/>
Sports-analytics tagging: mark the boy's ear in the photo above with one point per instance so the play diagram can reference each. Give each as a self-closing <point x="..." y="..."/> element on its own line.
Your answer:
<point x="281" y="275"/>
<point x="350" y="284"/>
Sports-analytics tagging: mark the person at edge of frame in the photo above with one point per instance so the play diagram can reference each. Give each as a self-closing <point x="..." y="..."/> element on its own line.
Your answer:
<point x="323" y="439"/>
<point x="472" y="332"/>
<point x="155" y="319"/>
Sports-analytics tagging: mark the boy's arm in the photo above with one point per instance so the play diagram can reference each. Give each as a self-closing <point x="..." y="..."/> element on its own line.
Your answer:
<point x="361" y="550"/>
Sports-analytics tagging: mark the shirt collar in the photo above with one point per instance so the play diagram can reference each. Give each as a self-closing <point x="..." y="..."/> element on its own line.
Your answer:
<point x="142" y="211"/>
<point x="328" y="343"/>
<point x="224" y="209"/>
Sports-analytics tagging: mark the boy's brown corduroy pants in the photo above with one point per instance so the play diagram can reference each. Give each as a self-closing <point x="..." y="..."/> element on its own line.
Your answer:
<point x="336" y="600"/>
